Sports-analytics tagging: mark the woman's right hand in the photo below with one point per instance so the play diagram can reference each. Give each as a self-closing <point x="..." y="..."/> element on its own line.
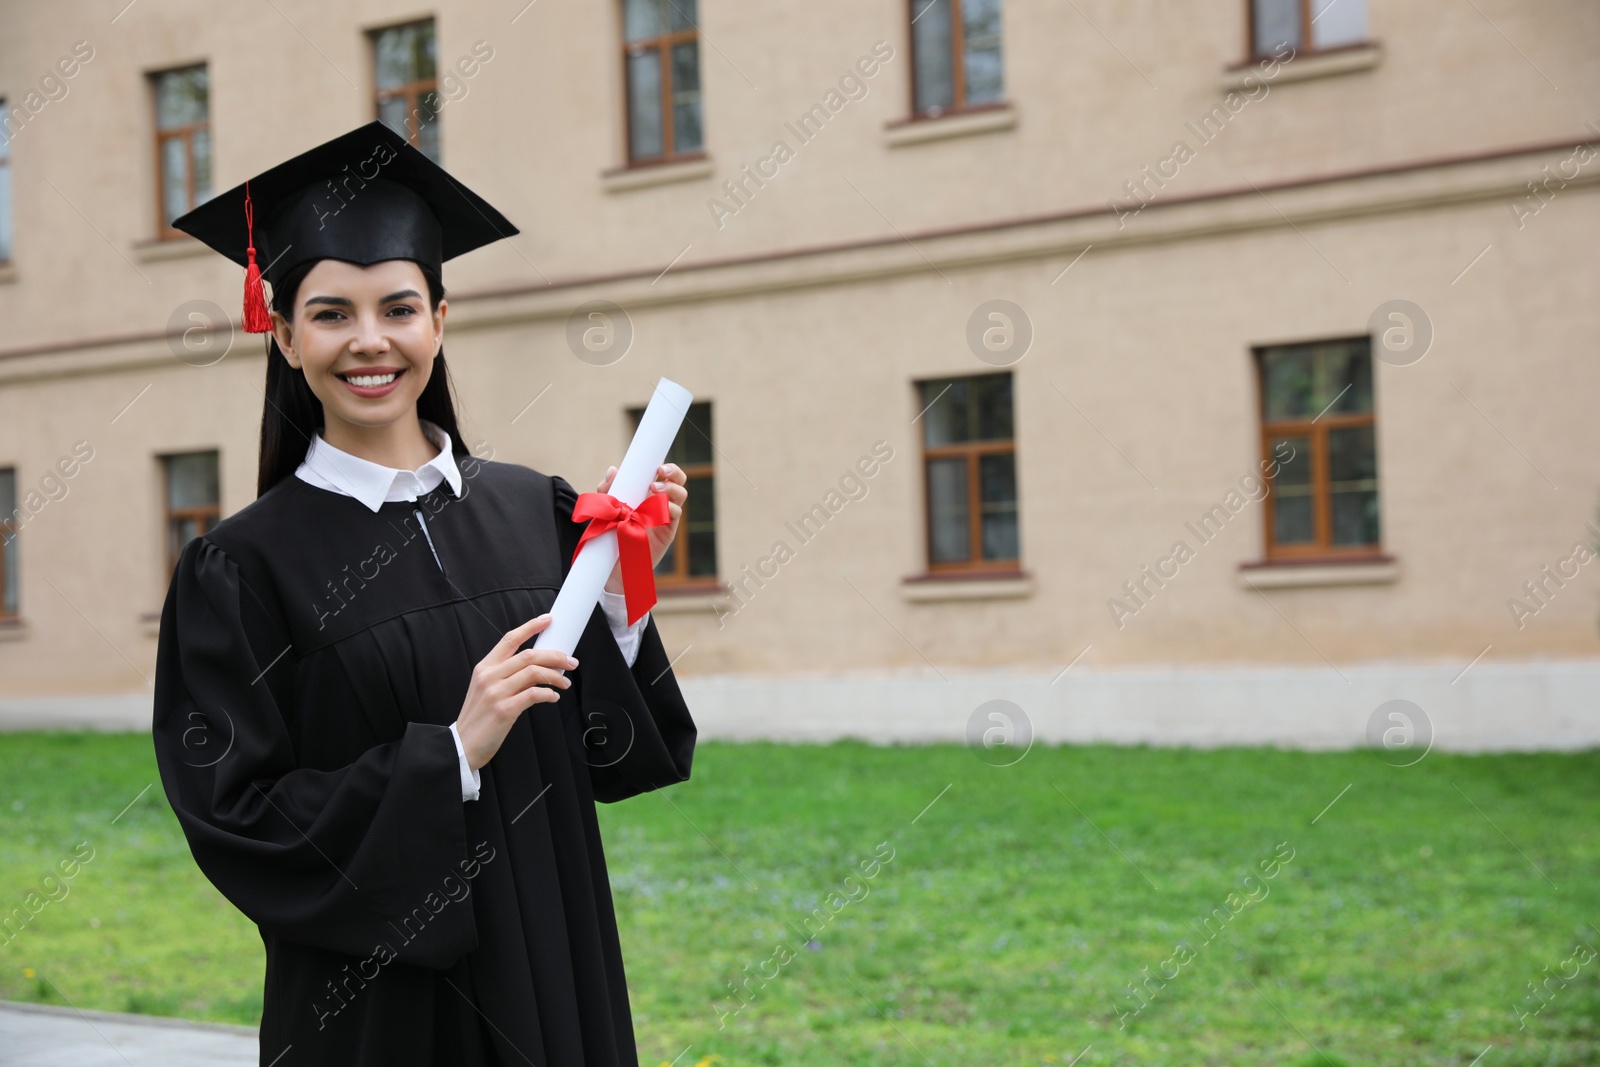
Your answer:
<point x="505" y="683"/>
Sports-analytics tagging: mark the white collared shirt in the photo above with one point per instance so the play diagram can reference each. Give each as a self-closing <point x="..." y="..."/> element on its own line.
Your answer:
<point x="337" y="471"/>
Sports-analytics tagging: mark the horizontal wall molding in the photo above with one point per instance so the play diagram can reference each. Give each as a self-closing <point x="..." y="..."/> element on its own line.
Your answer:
<point x="1412" y="186"/>
<point x="1367" y="192"/>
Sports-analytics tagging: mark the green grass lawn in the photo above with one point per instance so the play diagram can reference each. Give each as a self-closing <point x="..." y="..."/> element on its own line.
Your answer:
<point x="1407" y="928"/>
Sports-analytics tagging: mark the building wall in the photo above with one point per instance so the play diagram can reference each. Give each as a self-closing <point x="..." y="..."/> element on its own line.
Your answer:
<point x="806" y="318"/>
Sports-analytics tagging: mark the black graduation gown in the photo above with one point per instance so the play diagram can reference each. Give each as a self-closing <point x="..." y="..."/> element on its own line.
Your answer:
<point x="312" y="655"/>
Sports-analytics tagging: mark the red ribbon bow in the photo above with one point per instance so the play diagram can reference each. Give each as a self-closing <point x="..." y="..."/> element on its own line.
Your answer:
<point x="633" y="541"/>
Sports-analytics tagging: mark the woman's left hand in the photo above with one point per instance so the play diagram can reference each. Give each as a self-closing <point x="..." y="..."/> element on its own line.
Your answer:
<point x="670" y="477"/>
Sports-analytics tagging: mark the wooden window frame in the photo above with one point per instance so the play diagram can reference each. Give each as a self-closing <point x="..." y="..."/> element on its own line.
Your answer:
<point x="1303" y="48"/>
<point x="958" y="68"/>
<point x="206" y="516"/>
<point x="970" y="451"/>
<point x="678" y="580"/>
<point x="662" y="45"/>
<point x="1315" y="429"/>
<point x="412" y="91"/>
<point x="164" y="230"/>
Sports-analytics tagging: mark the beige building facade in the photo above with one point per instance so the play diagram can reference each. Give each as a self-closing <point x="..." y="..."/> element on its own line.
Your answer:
<point x="1115" y="353"/>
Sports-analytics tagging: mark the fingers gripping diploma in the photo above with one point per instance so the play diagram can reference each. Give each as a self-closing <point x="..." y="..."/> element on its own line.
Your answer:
<point x="672" y="480"/>
<point x="505" y="683"/>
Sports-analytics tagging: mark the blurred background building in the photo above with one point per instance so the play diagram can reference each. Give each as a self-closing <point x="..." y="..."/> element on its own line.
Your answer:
<point x="1002" y="317"/>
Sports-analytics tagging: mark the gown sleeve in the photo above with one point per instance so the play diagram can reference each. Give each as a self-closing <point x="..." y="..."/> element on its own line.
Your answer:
<point x="338" y="859"/>
<point x="638" y="734"/>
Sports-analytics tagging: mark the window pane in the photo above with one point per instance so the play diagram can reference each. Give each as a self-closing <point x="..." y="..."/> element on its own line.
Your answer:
<point x="1292" y="509"/>
<point x="200" y="154"/>
<point x="997" y="490"/>
<point x="1308" y="381"/>
<point x="1344" y="373"/>
<point x="392" y="113"/>
<point x="192" y="480"/>
<point x="1338" y="22"/>
<point x="970" y="409"/>
<point x="931" y="47"/>
<point x="1353" y="483"/>
<point x="1277" y="23"/>
<point x="181" y="97"/>
<point x="1292" y="523"/>
<point x="405" y="54"/>
<point x="5" y="211"/>
<point x="8" y="595"/>
<point x="945" y="422"/>
<point x="428" y="105"/>
<point x="947" y="510"/>
<point x="981" y="36"/>
<point x="1352" y="456"/>
<point x="1355" y="518"/>
<point x="642" y="19"/>
<point x="992" y="408"/>
<point x="1288" y="384"/>
<point x="8" y="543"/>
<point x="701" y="523"/>
<point x="683" y="14"/>
<point x="644" y="104"/>
<point x="179" y="533"/>
<point x="686" y="97"/>
<point x="174" y="177"/>
<point x="693" y="443"/>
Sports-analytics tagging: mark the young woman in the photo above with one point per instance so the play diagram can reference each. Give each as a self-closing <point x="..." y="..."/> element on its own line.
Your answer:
<point x="364" y="756"/>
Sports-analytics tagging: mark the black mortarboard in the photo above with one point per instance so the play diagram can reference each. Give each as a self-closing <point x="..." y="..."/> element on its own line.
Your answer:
<point x="365" y="196"/>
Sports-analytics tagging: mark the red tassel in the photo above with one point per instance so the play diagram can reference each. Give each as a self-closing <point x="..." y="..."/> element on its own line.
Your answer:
<point x="256" y="319"/>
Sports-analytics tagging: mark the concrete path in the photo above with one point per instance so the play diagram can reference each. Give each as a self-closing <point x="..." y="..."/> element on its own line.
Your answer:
<point x="37" y="1035"/>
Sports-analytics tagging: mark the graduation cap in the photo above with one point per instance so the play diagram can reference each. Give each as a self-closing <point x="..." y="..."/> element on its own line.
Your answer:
<point x="363" y="197"/>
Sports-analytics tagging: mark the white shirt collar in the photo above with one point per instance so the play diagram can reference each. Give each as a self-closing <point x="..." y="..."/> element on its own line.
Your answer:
<point x="334" y="469"/>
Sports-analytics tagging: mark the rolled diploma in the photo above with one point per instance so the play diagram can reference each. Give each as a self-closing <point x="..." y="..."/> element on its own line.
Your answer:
<point x="580" y="593"/>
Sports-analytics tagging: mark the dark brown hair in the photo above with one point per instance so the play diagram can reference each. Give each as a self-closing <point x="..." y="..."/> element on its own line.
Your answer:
<point x="292" y="413"/>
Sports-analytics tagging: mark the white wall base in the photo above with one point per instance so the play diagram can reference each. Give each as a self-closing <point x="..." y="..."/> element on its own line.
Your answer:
<point x="1491" y="707"/>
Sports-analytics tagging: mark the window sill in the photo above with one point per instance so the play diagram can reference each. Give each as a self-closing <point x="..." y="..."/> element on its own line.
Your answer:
<point x="8" y="273"/>
<point x="158" y="249"/>
<point x="641" y="177"/>
<point x="950" y="124"/>
<point x="14" y="629"/>
<point x="689" y="600"/>
<point x="926" y="588"/>
<point x="1369" y="570"/>
<point x="1305" y="66"/>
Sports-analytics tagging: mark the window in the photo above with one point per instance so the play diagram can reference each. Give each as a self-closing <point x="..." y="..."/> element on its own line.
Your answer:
<point x="183" y="143"/>
<point x="970" y="473"/>
<point x="1306" y="25"/>
<point x="661" y="65"/>
<point x="405" y="59"/>
<point x="955" y="55"/>
<point x="1317" y="424"/>
<point x="5" y="185"/>
<point x="193" y="503"/>
<point x="691" y="560"/>
<point x="8" y="543"/>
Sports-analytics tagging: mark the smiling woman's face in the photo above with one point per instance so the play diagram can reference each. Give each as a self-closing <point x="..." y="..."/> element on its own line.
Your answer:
<point x="365" y="338"/>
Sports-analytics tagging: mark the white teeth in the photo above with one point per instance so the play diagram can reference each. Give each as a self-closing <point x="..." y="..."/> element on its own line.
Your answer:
<point x="368" y="381"/>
